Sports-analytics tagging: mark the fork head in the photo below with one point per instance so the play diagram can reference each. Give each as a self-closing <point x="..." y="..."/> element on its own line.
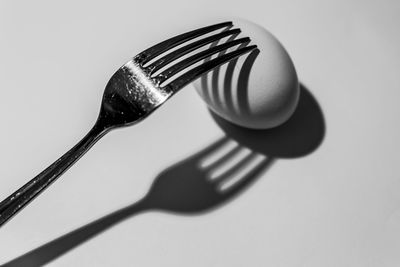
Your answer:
<point x="144" y="83"/>
<point x="206" y="180"/>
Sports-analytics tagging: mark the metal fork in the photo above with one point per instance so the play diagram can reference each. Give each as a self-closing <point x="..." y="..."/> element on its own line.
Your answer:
<point x="133" y="93"/>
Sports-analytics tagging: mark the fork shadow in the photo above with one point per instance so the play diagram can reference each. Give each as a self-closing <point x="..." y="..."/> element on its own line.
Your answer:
<point x="187" y="188"/>
<point x="184" y="188"/>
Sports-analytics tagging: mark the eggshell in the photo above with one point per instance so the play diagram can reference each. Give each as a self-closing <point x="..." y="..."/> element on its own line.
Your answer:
<point x="259" y="90"/>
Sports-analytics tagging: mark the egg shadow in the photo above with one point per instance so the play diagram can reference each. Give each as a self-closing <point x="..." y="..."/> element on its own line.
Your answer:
<point x="183" y="188"/>
<point x="299" y="136"/>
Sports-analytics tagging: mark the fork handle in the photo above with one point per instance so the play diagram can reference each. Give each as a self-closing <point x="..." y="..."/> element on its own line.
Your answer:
<point x="20" y="198"/>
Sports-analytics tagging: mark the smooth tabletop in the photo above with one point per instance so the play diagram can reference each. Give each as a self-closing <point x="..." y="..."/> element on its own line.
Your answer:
<point x="338" y="205"/>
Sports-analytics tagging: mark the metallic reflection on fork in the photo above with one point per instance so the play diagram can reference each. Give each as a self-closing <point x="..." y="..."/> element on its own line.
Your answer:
<point x="137" y="89"/>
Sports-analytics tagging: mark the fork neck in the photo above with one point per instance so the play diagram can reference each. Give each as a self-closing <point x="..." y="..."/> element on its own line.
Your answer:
<point x="131" y="95"/>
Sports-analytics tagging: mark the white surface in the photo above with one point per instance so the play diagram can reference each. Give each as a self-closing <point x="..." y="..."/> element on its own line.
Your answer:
<point x="339" y="206"/>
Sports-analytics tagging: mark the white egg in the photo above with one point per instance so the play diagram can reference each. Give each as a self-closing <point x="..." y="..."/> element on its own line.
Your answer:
<point x="259" y="90"/>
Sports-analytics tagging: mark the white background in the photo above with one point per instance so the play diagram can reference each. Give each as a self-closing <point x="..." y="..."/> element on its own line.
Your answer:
<point x="339" y="206"/>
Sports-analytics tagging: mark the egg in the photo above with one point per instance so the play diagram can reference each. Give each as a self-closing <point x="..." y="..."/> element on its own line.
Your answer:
<point x="258" y="90"/>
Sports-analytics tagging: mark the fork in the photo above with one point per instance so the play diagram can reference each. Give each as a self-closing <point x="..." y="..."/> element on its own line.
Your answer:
<point x="134" y="91"/>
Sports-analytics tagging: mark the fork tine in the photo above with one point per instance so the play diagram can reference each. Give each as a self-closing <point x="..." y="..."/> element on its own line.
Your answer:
<point x="224" y="159"/>
<point x="187" y="49"/>
<point x="195" y="73"/>
<point x="224" y="177"/>
<point x="187" y="62"/>
<point x="214" y="95"/>
<point x="204" y="79"/>
<point x="209" y="150"/>
<point x="160" y="48"/>
<point x="248" y="178"/>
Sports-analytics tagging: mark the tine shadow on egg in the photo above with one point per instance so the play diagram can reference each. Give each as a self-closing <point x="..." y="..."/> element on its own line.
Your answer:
<point x="259" y="90"/>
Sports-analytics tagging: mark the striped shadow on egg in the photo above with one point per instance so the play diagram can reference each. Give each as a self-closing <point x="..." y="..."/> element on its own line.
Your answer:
<point x="259" y="90"/>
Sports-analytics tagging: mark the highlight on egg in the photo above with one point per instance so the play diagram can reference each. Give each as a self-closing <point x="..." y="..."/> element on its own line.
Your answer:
<point x="259" y="90"/>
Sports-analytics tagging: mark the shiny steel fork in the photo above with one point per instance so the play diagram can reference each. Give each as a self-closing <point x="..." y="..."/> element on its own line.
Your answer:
<point x="134" y="92"/>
